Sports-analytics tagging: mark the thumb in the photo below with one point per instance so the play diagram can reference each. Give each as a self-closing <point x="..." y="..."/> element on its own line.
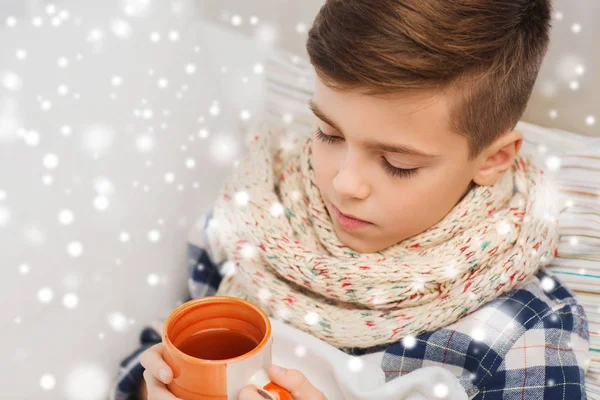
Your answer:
<point x="294" y="382"/>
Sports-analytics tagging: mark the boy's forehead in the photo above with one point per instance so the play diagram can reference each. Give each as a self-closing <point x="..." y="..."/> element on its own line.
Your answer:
<point x="419" y="114"/>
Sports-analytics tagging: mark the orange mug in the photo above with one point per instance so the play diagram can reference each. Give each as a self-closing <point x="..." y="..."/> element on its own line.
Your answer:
<point x="216" y="346"/>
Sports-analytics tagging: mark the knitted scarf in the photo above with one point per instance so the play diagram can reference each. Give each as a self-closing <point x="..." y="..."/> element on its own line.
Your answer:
<point x="270" y="222"/>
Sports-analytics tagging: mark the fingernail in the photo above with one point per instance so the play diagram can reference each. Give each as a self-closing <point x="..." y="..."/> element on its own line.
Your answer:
<point x="277" y="370"/>
<point x="162" y="374"/>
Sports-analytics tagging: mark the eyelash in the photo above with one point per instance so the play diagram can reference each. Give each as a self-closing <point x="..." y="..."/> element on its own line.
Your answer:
<point x="390" y="169"/>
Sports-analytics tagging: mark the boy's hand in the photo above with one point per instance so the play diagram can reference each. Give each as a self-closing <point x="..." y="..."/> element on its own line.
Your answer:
<point x="157" y="375"/>
<point x="290" y="379"/>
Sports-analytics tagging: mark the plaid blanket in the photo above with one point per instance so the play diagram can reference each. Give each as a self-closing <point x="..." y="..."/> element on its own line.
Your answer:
<point x="532" y="343"/>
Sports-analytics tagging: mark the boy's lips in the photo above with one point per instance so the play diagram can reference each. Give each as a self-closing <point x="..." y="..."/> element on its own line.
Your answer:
<point x="348" y="221"/>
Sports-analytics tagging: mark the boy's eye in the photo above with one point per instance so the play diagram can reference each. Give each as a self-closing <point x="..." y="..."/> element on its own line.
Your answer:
<point x="327" y="138"/>
<point x="389" y="168"/>
<point x="398" y="172"/>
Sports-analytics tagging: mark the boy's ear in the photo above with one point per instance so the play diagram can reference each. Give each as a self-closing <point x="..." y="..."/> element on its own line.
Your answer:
<point x="498" y="158"/>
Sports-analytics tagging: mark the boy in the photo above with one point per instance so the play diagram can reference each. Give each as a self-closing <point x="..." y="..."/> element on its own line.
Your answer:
<point x="408" y="227"/>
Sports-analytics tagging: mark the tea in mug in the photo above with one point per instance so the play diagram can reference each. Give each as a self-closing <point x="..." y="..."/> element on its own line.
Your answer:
<point x="217" y="344"/>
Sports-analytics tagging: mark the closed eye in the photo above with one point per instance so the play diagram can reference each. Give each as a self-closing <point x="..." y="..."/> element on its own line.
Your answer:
<point x="389" y="168"/>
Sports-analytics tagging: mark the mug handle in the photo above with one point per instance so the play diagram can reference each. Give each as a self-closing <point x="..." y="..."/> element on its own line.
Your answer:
<point x="272" y="391"/>
<point x="268" y="389"/>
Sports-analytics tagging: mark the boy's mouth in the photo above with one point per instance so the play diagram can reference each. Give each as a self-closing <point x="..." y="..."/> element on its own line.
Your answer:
<point x="348" y="221"/>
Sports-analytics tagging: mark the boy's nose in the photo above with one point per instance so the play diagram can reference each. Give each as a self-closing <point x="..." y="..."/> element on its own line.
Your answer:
<point x="349" y="183"/>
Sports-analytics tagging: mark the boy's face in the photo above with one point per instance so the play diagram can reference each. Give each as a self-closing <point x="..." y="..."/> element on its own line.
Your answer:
<point x="368" y="183"/>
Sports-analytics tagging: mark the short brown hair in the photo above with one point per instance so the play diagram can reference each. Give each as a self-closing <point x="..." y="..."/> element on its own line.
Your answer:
<point x="489" y="50"/>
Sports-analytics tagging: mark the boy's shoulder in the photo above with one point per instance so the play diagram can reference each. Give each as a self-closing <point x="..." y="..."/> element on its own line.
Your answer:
<point x="533" y="339"/>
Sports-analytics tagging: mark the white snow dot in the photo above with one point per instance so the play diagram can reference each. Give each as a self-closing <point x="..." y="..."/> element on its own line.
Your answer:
<point x="569" y="203"/>
<point x="117" y="321"/>
<point x="355" y="364"/>
<point x="190" y="163"/>
<point x="253" y="20"/>
<point x="580" y="69"/>
<point x="63" y="62"/>
<point x="50" y="161"/>
<point x="258" y="69"/>
<point x="301" y="28"/>
<point x="409" y="341"/>
<point x="47" y="382"/>
<point x="63" y="90"/>
<point x="277" y="209"/>
<point x="236" y="20"/>
<point x="264" y="294"/>
<point x="163" y="83"/>
<point x="45" y="295"/>
<point x="101" y="203"/>
<point x="37" y="21"/>
<point x="121" y="28"/>
<point x="574" y="241"/>
<point x="553" y="114"/>
<point x="70" y="300"/>
<point x="300" y="351"/>
<point x="478" y="334"/>
<point x="98" y="138"/>
<point x="50" y="9"/>
<point x="245" y="115"/>
<point x="190" y="68"/>
<point x="2" y="195"/>
<point x="75" y="249"/>
<point x="116" y="81"/>
<point x="574" y="85"/>
<point x="558" y="16"/>
<point x="124" y="237"/>
<point x="203" y="133"/>
<point x="66" y="130"/>
<point x="242" y="198"/>
<point x="288" y="118"/>
<point x="155" y="37"/>
<point x="590" y="120"/>
<point x="32" y="138"/>
<point x="46" y="105"/>
<point x="11" y="81"/>
<point x="311" y="318"/>
<point x="21" y="54"/>
<point x="174" y="35"/>
<point x="441" y="390"/>
<point x="103" y="186"/>
<point x="66" y="217"/>
<point x="24" y="269"/>
<point x="248" y="251"/>
<point x="154" y="235"/>
<point x="267" y="33"/>
<point x="11" y="21"/>
<point x="144" y="143"/>
<point x="87" y="382"/>
<point x="169" y="177"/>
<point x="228" y="269"/>
<point x="47" y="180"/>
<point x="576" y="28"/>
<point x="503" y="228"/>
<point x="4" y="215"/>
<point x="153" y="279"/>
<point x="553" y="163"/>
<point x="214" y="110"/>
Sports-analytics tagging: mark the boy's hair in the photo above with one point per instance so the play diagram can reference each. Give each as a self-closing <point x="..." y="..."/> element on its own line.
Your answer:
<point x="485" y="54"/>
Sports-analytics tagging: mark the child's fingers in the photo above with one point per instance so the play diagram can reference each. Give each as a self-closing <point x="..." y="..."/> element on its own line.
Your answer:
<point x="152" y="360"/>
<point x="156" y="389"/>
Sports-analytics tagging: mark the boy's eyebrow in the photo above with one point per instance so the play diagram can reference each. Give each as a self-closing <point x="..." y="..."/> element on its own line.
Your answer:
<point x="388" y="147"/>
